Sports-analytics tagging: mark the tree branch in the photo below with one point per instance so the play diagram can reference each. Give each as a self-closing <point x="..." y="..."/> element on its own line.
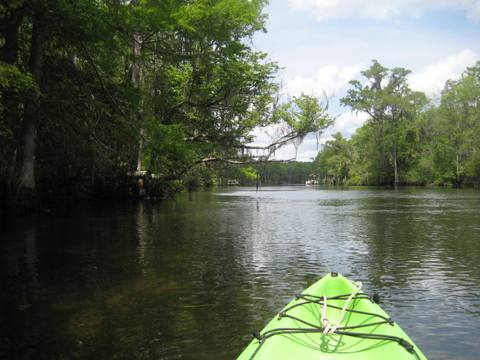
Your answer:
<point x="239" y="162"/>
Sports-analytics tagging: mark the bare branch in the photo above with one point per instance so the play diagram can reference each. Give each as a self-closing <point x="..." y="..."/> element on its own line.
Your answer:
<point x="240" y="162"/>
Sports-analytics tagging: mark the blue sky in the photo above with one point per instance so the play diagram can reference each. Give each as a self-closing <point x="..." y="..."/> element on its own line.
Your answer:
<point x="322" y="44"/>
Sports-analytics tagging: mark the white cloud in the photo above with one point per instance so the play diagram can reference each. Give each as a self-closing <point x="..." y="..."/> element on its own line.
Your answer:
<point x="267" y="134"/>
<point x="432" y="79"/>
<point x="348" y="122"/>
<point x="382" y="9"/>
<point x="330" y="79"/>
<point x="307" y="155"/>
<point x="334" y="81"/>
<point x="263" y="135"/>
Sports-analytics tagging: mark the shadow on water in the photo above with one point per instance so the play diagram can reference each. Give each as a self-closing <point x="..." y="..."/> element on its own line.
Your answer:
<point x="191" y="278"/>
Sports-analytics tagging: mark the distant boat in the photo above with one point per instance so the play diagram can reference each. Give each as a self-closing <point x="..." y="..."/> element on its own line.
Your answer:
<point x="311" y="182"/>
<point x="233" y="182"/>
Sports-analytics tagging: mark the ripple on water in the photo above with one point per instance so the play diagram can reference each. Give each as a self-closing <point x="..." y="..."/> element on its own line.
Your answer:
<point x="192" y="278"/>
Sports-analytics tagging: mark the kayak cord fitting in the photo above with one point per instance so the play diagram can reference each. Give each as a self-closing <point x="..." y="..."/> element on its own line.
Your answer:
<point x="409" y="347"/>
<point x="327" y="327"/>
<point x="326" y="322"/>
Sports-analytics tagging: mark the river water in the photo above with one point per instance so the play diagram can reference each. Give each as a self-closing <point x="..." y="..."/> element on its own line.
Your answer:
<point x="192" y="278"/>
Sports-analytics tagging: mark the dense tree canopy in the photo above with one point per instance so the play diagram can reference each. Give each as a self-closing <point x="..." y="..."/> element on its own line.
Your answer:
<point x="334" y="161"/>
<point x="392" y="107"/>
<point x="94" y="90"/>
<point x="407" y="139"/>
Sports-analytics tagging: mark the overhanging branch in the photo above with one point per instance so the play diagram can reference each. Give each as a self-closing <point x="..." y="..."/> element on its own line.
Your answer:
<point x="240" y="162"/>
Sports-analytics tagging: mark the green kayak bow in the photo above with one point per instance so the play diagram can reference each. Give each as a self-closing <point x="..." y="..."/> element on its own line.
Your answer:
<point x="332" y="319"/>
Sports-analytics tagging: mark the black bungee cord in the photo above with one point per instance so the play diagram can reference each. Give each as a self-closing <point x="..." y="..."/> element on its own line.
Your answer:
<point x="318" y="300"/>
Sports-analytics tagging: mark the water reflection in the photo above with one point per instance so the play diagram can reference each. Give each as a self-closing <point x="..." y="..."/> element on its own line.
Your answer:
<point x="193" y="277"/>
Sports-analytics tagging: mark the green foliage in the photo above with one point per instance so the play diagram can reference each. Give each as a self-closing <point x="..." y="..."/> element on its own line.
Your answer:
<point x="431" y="144"/>
<point x="267" y="173"/>
<point x="305" y="115"/>
<point x="392" y="107"/>
<point x="169" y="83"/>
<point x="278" y="173"/>
<point x="457" y="142"/>
<point x="12" y="79"/>
<point x="167" y="153"/>
<point x="335" y="160"/>
<point x="248" y="174"/>
<point x="15" y="84"/>
<point x="172" y="87"/>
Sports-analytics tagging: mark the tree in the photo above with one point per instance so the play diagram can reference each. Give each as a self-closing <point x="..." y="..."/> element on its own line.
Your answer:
<point x="457" y="142"/>
<point x="334" y="160"/>
<point x="295" y="119"/>
<point x="392" y="106"/>
<point x="93" y="90"/>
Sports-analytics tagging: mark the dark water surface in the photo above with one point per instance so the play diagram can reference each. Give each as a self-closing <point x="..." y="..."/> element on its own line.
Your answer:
<point x="192" y="278"/>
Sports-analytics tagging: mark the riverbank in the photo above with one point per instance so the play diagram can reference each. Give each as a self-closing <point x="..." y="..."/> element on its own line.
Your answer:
<point x="142" y="188"/>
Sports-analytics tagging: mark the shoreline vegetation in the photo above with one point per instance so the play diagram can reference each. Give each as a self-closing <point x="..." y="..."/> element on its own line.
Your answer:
<point x="103" y="99"/>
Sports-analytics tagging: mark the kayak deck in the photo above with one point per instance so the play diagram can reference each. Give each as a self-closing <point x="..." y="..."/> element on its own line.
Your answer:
<point x="332" y="319"/>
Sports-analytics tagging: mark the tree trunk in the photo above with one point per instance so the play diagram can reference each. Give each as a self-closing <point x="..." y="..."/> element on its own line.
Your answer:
<point x="457" y="170"/>
<point x="381" y="150"/>
<point x="395" y="169"/>
<point x="140" y="152"/>
<point x="27" y="173"/>
<point x="136" y="50"/>
<point x="136" y="78"/>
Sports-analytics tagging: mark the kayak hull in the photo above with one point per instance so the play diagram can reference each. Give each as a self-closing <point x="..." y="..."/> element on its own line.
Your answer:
<point x="298" y="333"/>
